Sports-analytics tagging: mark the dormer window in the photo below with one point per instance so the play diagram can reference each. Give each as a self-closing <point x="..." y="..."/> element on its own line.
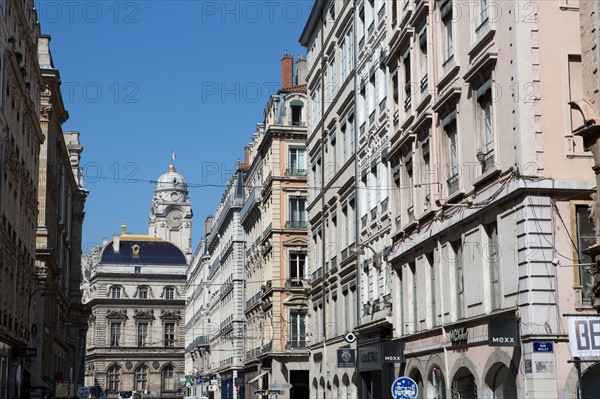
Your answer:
<point x="169" y="293"/>
<point x="115" y="292"/>
<point x="296" y="107"/>
<point x="143" y="293"/>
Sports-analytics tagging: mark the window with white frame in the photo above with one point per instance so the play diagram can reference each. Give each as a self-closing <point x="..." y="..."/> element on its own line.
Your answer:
<point x="459" y="280"/>
<point x="343" y="55"/>
<point x="423" y="65"/>
<point x="351" y="132"/>
<point x="143" y="293"/>
<point x="169" y="293"/>
<point x="297" y="264"/>
<point x="585" y="236"/>
<point x="168" y="379"/>
<point x="432" y="287"/>
<point x="142" y="334"/>
<point x="415" y="303"/>
<point x="141" y="379"/>
<point x="408" y="183"/>
<point x="297" y="160"/>
<point x="425" y="170"/>
<point x="169" y="334"/>
<point x="493" y="259"/>
<point x="407" y="81"/>
<point x="297" y="211"/>
<point x="450" y="143"/>
<point x="115" y="334"/>
<point x="297" y="337"/>
<point x="447" y="33"/>
<point x="115" y="292"/>
<point x="113" y="377"/>
<point x="485" y="124"/>
<point x="482" y="17"/>
<point x="332" y="81"/>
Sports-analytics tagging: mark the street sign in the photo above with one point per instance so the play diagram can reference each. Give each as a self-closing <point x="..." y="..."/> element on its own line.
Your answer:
<point x="543" y="346"/>
<point x="280" y="386"/>
<point x="25" y="352"/>
<point x="350" y="337"/>
<point x="267" y="392"/>
<point x="404" y="388"/>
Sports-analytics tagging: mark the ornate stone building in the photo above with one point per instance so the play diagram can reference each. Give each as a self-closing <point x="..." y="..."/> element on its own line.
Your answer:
<point x="134" y="290"/>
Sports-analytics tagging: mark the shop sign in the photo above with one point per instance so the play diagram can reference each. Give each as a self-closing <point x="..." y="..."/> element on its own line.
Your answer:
<point x="369" y="358"/>
<point x="405" y="388"/>
<point x="459" y="335"/>
<point x="393" y="352"/>
<point x="25" y="352"/>
<point x="503" y="331"/>
<point x="584" y="336"/>
<point x="346" y="358"/>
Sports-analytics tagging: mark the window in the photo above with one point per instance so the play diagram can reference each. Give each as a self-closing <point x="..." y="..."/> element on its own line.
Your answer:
<point x="168" y="379"/>
<point x="415" y="320"/>
<point x="485" y="123"/>
<point x="585" y="239"/>
<point x="296" y="107"/>
<point x="143" y="293"/>
<point x="425" y="169"/>
<point x="574" y="143"/>
<point x="141" y="379"/>
<point x="113" y="378"/>
<point x="408" y="184"/>
<point x="494" y="264"/>
<point x="447" y="34"/>
<point x="297" y="160"/>
<point x="423" y="61"/>
<point x="169" y="293"/>
<point x="115" y="334"/>
<point x="432" y="288"/>
<point x="115" y="292"/>
<point x="297" y="264"/>
<point x="407" y="82"/>
<point x="459" y="280"/>
<point x="169" y="334"/>
<point x="142" y="334"/>
<point x="297" y="329"/>
<point x="482" y="18"/>
<point x="451" y="152"/>
<point x="297" y="212"/>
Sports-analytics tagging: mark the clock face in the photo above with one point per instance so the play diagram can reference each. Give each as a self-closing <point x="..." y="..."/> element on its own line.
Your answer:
<point x="175" y="218"/>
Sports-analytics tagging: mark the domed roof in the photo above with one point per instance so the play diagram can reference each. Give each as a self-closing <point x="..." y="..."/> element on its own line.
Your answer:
<point x="172" y="180"/>
<point x="144" y="252"/>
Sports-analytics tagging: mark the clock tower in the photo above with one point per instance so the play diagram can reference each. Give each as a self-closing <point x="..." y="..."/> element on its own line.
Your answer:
<point x="171" y="211"/>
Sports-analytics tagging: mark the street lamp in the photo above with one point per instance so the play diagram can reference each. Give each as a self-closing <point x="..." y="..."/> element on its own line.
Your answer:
<point x="377" y="256"/>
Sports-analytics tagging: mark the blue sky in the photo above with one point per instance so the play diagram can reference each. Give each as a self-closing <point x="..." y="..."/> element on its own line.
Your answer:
<point x="144" y="78"/>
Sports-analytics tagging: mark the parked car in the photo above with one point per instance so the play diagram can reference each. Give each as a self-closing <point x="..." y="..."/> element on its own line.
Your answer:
<point x="129" y="395"/>
<point x="93" y="392"/>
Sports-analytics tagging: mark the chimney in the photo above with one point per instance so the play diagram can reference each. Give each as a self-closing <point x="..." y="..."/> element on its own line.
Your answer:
<point x="287" y="71"/>
<point x="300" y="70"/>
<point x="116" y="243"/>
<point x="208" y="224"/>
<point x="247" y="156"/>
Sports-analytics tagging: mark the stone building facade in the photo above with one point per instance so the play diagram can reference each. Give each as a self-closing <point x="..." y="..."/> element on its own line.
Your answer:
<point x="134" y="290"/>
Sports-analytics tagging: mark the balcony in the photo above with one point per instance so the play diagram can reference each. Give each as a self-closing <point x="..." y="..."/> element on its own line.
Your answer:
<point x="267" y="231"/>
<point x="253" y="198"/>
<point x="296" y="224"/>
<point x="424" y="85"/>
<point x="295" y="172"/>
<point x="268" y="179"/>
<point x="267" y="288"/>
<point x="254" y="300"/>
<point x="345" y="254"/>
<point x="294" y="282"/>
<point x="267" y="347"/>
<point x="296" y="344"/>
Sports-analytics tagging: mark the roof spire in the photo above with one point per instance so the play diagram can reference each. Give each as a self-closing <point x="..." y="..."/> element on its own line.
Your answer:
<point x="123" y="227"/>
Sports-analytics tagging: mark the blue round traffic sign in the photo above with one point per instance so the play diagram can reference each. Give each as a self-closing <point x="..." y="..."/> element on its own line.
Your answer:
<point x="404" y="388"/>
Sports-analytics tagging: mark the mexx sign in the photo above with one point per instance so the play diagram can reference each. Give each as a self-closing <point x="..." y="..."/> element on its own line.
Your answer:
<point x="503" y="331"/>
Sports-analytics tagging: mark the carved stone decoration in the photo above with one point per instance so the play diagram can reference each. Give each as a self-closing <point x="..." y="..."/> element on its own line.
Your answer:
<point x="143" y="314"/>
<point x="129" y="365"/>
<point x="170" y="314"/>
<point x="155" y="365"/>
<point x="116" y="314"/>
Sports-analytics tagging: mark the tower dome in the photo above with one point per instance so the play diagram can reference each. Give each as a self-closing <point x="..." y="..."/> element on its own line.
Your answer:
<point x="172" y="180"/>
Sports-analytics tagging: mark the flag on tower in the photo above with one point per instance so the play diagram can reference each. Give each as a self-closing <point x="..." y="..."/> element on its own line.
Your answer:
<point x="174" y="156"/>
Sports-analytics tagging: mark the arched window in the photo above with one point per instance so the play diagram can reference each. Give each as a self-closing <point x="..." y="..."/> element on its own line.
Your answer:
<point x="168" y="379"/>
<point x="113" y="378"/>
<point x="141" y="378"/>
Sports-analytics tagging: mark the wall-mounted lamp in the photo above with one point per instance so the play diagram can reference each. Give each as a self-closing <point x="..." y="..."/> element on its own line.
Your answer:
<point x="377" y="256"/>
<point x="481" y="156"/>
